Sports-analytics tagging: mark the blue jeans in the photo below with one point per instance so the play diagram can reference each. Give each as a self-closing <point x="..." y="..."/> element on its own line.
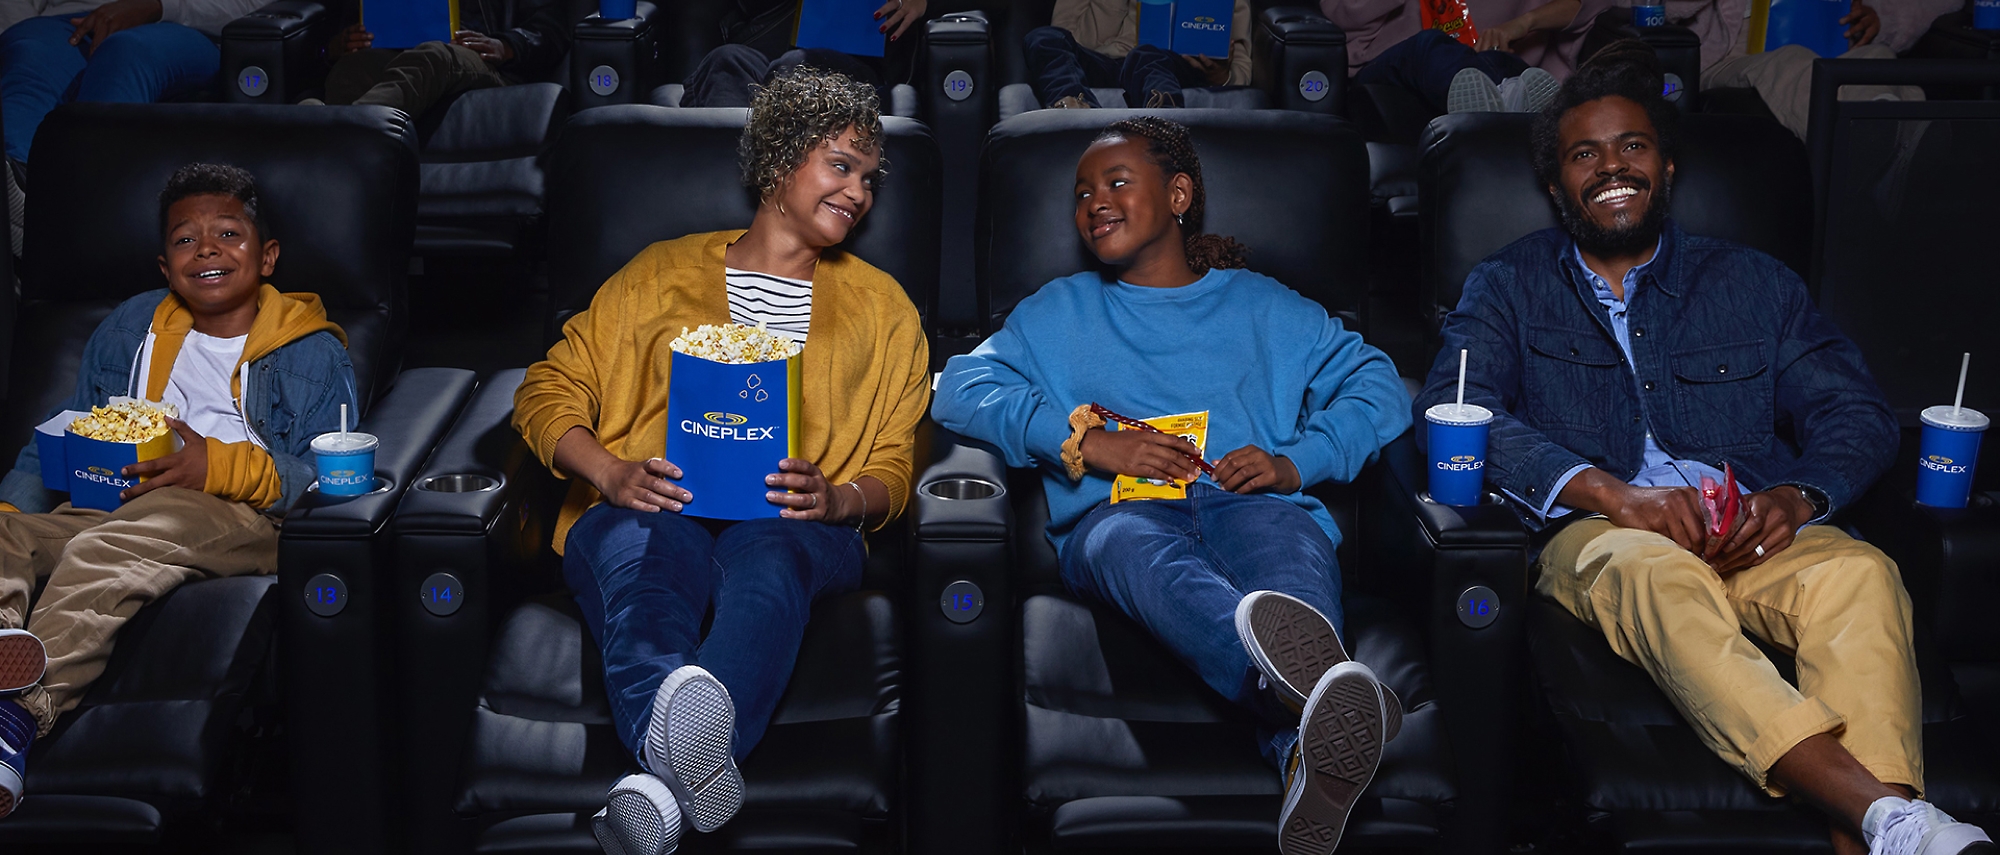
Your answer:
<point x="40" y="69"/>
<point x="1426" y="62"/>
<point x="645" y="580"/>
<point x="1179" y="567"/>
<point x="1059" y="67"/>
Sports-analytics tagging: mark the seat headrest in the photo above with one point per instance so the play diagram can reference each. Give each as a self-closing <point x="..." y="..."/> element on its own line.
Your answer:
<point x="338" y="185"/>
<point x="1739" y="178"/>
<point x="624" y="177"/>
<point x="1293" y="187"/>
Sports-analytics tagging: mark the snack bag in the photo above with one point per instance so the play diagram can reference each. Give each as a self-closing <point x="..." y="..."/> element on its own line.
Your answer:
<point x="1450" y="17"/>
<point x="1192" y="427"/>
<point x="82" y="453"/>
<point x="1721" y="503"/>
<point x="732" y="414"/>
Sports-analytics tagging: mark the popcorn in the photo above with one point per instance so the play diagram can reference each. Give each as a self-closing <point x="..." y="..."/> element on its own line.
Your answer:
<point x="126" y="420"/>
<point x="734" y="344"/>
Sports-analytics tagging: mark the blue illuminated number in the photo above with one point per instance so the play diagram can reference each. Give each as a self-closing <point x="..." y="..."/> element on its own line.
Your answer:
<point x="1480" y="607"/>
<point x="958" y="85"/>
<point x="440" y="595"/>
<point x="1313" y="85"/>
<point x="604" y="80"/>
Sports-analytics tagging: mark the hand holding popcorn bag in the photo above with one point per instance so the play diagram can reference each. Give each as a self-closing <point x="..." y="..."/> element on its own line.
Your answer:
<point x="732" y="414"/>
<point x="83" y="453"/>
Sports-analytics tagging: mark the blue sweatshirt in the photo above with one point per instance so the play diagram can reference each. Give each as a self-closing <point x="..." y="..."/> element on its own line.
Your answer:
<point x="1269" y="366"/>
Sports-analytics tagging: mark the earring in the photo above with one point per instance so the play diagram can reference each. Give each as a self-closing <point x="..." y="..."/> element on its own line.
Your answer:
<point x="1179" y="221"/>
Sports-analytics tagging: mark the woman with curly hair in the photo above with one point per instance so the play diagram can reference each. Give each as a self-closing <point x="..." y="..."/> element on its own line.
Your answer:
<point x="689" y="706"/>
<point x="1237" y="574"/>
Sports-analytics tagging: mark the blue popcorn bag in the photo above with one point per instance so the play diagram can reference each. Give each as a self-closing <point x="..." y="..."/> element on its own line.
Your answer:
<point x="1201" y="27"/>
<point x="728" y="425"/>
<point x="847" y="26"/>
<point x="403" y="24"/>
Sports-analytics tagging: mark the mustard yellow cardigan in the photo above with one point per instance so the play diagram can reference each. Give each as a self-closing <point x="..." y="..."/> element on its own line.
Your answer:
<point x="865" y="368"/>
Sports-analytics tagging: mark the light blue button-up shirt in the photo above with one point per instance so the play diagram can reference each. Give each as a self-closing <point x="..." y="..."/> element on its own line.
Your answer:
<point x="1661" y="469"/>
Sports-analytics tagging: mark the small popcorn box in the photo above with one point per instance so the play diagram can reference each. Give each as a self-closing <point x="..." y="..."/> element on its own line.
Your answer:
<point x="88" y="469"/>
<point x="727" y="427"/>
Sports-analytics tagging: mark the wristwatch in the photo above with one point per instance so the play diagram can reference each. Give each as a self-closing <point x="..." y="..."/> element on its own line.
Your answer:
<point x="1818" y="500"/>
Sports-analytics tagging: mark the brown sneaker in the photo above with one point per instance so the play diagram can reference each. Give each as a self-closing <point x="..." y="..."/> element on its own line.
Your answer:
<point x="1339" y="749"/>
<point x="22" y="660"/>
<point x="1071" y="102"/>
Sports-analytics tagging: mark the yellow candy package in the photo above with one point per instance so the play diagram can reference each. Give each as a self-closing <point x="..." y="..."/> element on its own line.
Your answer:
<point x="1192" y="427"/>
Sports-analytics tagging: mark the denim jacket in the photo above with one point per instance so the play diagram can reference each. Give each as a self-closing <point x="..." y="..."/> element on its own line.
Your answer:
<point x="1733" y="363"/>
<point x="290" y="395"/>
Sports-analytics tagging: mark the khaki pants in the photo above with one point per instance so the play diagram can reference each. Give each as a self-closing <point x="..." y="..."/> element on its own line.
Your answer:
<point x="409" y="80"/>
<point x="1835" y="603"/>
<point x="1783" y="78"/>
<point x="103" y="567"/>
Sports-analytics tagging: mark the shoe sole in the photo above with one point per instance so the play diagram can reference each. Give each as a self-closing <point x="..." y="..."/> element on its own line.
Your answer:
<point x="22" y="661"/>
<point x="1289" y="641"/>
<point x="10" y="790"/>
<point x="1341" y="747"/>
<point x="1957" y="838"/>
<point x="1538" y="89"/>
<point x="1472" y="92"/>
<point x="641" y="817"/>
<point x="688" y="745"/>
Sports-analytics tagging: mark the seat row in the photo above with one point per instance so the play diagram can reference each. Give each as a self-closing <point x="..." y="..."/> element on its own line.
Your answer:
<point x="415" y="678"/>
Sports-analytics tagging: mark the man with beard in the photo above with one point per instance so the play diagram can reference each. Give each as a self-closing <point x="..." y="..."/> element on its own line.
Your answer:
<point x="1624" y="360"/>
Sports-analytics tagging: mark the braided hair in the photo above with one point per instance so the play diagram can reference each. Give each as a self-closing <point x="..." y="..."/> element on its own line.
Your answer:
<point x="1168" y="147"/>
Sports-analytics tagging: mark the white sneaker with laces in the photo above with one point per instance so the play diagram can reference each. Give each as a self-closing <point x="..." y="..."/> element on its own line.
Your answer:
<point x="1895" y="826"/>
<point x="1472" y="92"/>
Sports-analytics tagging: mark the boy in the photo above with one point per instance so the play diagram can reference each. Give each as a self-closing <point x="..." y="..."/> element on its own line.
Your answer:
<point x="255" y="375"/>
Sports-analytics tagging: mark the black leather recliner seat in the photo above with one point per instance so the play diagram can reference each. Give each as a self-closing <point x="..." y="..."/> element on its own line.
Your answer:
<point x="1635" y="775"/>
<point x="1115" y="745"/>
<point x="509" y="745"/>
<point x="165" y="740"/>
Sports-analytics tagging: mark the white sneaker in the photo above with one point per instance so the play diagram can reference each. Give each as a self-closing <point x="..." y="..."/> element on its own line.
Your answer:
<point x="640" y="817"/>
<point x="1528" y="93"/>
<point x="1472" y="92"/>
<point x="1334" y="760"/>
<point x="688" y="745"/>
<point x="1896" y="826"/>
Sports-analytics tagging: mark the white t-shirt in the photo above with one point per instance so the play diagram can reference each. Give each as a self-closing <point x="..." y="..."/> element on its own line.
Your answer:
<point x="782" y="305"/>
<point x="199" y="386"/>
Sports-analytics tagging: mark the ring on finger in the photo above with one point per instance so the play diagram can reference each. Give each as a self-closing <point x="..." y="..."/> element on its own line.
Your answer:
<point x="815" y="504"/>
<point x="1759" y="550"/>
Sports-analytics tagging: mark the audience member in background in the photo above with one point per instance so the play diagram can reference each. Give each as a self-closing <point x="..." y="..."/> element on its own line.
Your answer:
<point x="1095" y="43"/>
<point x="1906" y="21"/>
<point x="1782" y="77"/>
<point x="1524" y="50"/>
<point x="1238" y="578"/>
<point x="500" y="42"/>
<point x="688" y="706"/>
<point x="207" y="510"/>
<point x="1626" y="360"/>
<point x="725" y="75"/>
<point x="128" y="51"/>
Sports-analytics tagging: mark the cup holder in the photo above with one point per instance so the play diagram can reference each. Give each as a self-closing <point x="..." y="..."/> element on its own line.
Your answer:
<point x="459" y="483"/>
<point x="963" y="488"/>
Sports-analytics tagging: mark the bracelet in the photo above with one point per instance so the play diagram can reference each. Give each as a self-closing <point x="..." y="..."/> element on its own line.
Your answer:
<point x="1081" y="419"/>
<point x="861" y="522"/>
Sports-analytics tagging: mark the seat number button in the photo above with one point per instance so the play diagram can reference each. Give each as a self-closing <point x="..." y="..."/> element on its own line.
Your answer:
<point x="1478" y="607"/>
<point x="962" y="601"/>
<point x="442" y="594"/>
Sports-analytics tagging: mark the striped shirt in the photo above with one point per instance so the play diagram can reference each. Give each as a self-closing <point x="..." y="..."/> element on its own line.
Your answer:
<point x="784" y="306"/>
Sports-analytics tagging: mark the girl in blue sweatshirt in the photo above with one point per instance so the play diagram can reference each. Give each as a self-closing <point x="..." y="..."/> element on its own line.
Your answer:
<point x="1237" y="576"/>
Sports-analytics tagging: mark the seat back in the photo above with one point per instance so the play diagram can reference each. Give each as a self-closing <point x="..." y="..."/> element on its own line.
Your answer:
<point x="1736" y="177"/>
<point x="1904" y="211"/>
<point x="1291" y="186"/>
<point x="625" y="177"/>
<point x="339" y="193"/>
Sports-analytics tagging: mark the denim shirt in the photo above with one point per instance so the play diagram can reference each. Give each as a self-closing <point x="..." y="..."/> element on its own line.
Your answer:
<point x="1729" y="362"/>
<point x="291" y="395"/>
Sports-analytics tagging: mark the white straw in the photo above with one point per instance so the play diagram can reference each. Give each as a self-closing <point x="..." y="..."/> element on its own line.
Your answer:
<point x="343" y="419"/>
<point x="1461" y="377"/>
<point x="1963" y="364"/>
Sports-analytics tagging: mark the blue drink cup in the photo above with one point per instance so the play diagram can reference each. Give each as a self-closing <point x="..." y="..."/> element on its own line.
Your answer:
<point x="346" y="463"/>
<point x="1457" y="437"/>
<point x="1649" y="15"/>
<point x="1948" y="455"/>
<point x="1986" y="14"/>
<point x="617" y="10"/>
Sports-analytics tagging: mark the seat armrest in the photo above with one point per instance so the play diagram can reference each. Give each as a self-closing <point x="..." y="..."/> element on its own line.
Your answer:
<point x="1948" y="559"/>
<point x="958" y="95"/>
<point x="959" y="692"/>
<point x="408" y="421"/>
<point x="273" y="55"/>
<point x="1430" y="557"/>
<point x="1301" y="60"/>
<point x="1679" y="50"/>
<point x="616" y="62"/>
<point x="445" y="496"/>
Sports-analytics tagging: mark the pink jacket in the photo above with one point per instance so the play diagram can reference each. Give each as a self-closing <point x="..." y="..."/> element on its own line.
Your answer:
<point x="1373" y="26"/>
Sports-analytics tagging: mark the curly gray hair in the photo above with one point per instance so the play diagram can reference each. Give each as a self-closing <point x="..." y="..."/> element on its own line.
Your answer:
<point x="799" y="109"/>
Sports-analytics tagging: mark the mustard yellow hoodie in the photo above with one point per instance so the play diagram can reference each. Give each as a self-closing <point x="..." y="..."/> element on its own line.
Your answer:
<point x="238" y="471"/>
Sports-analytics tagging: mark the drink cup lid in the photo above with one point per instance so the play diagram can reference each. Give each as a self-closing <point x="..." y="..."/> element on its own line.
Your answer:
<point x="1967" y="418"/>
<point x="1459" y="415"/>
<point x="344" y="443"/>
